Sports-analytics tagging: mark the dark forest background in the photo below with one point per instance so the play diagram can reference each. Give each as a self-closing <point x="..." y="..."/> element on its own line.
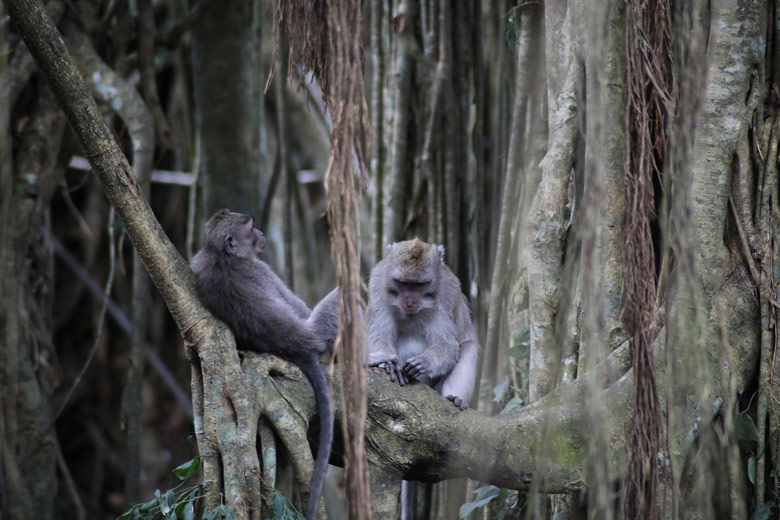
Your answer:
<point x="603" y="176"/>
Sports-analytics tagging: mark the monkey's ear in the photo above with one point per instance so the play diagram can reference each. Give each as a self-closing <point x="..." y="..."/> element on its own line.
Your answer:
<point x="440" y="250"/>
<point x="230" y="246"/>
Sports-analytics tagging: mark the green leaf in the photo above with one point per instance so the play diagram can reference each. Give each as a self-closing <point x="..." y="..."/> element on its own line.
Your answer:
<point x="282" y="509"/>
<point x="513" y="404"/>
<point x="752" y="470"/>
<point x="487" y="491"/>
<point x="186" y="506"/>
<point x="187" y="469"/>
<point x="148" y="506"/>
<point x="763" y="512"/>
<point x="523" y="335"/>
<point x="166" y="502"/>
<point x="518" y="352"/>
<point x="744" y="427"/>
<point x="189" y="511"/>
<point x="500" y="390"/>
<point x="466" y="509"/>
<point x="129" y="514"/>
<point x="226" y="512"/>
<point x="484" y="496"/>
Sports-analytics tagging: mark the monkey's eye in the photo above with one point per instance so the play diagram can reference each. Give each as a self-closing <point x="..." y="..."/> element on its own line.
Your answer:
<point x="392" y="292"/>
<point x="430" y="295"/>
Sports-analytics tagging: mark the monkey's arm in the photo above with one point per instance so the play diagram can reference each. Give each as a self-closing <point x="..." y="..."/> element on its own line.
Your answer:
<point x="437" y="361"/>
<point x="290" y="298"/>
<point x="382" y="336"/>
<point x="440" y="356"/>
<point x="458" y="386"/>
<point x="324" y="318"/>
<point x="270" y="325"/>
<point x="298" y="305"/>
<point x="448" y="328"/>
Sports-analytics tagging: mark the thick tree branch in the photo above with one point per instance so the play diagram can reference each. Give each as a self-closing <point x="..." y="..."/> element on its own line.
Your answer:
<point x="412" y="432"/>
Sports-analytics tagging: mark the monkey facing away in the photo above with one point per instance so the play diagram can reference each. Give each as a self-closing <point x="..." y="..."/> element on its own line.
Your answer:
<point x="419" y="322"/>
<point x="266" y="316"/>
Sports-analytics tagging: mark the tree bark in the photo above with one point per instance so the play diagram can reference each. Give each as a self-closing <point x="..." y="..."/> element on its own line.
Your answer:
<point x="223" y="52"/>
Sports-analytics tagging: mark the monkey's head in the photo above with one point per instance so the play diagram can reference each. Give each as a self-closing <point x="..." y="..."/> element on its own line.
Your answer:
<point x="413" y="275"/>
<point x="234" y="235"/>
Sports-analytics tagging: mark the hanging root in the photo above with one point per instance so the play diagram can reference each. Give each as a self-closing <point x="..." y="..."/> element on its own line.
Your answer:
<point x="648" y="47"/>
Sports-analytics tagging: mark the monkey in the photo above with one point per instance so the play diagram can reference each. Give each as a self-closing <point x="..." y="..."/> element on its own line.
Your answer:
<point x="266" y="316"/>
<point x="419" y="322"/>
<point x="420" y="328"/>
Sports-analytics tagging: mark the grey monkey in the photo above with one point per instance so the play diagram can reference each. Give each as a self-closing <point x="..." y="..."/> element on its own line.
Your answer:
<point x="419" y="322"/>
<point x="266" y="316"/>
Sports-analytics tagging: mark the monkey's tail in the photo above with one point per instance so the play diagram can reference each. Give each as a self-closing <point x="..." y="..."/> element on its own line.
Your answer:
<point x="316" y="375"/>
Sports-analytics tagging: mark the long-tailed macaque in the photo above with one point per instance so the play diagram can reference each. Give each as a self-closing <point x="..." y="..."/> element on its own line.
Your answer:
<point x="419" y="322"/>
<point x="266" y="316"/>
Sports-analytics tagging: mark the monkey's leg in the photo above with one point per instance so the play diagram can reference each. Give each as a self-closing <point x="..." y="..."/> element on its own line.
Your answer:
<point x="458" y="386"/>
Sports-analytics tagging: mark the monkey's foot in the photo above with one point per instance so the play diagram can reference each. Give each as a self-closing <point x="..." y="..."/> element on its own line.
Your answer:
<point x="457" y="401"/>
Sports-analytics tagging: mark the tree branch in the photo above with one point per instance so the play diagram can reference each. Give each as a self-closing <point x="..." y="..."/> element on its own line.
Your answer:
<point x="412" y="432"/>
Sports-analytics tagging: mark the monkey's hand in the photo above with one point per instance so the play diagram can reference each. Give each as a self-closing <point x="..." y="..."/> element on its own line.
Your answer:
<point x="392" y="369"/>
<point x="457" y="401"/>
<point x="419" y="367"/>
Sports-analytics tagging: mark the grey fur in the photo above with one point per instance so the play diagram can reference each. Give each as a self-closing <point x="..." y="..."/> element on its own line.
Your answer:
<point x="419" y="322"/>
<point x="266" y="316"/>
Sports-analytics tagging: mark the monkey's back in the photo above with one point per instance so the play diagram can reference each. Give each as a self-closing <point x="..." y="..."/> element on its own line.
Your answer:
<point x="246" y="296"/>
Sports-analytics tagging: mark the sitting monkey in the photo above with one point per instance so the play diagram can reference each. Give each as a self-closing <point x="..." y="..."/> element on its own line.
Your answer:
<point x="419" y="322"/>
<point x="266" y="316"/>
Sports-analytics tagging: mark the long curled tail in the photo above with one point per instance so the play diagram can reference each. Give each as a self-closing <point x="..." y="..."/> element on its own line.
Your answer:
<point x="314" y="372"/>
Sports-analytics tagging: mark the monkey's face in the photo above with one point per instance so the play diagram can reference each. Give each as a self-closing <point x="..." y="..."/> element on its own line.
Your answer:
<point x="411" y="296"/>
<point x="258" y="241"/>
<point x="235" y="234"/>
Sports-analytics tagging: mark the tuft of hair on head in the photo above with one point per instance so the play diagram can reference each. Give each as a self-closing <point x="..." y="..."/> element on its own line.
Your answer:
<point x="415" y="256"/>
<point x="413" y="253"/>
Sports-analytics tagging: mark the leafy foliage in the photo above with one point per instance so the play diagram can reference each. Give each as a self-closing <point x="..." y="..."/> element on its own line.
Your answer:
<point x="187" y="469"/>
<point x="182" y="505"/>
<point x="764" y="512"/>
<point x="176" y="504"/>
<point x="282" y="509"/>
<point x="505" y="503"/>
